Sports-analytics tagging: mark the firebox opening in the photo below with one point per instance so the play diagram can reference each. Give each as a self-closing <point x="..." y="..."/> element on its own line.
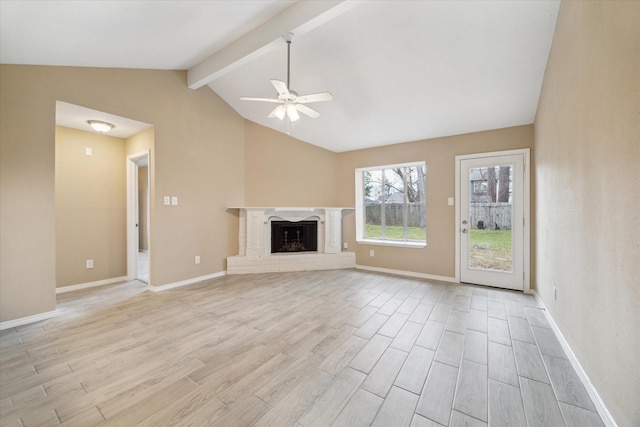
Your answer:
<point x="289" y="236"/>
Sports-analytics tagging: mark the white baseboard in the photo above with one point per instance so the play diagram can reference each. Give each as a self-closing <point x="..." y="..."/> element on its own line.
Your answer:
<point x="408" y="273"/>
<point x="187" y="282"/>
<point x="588" y="385"/>
<point x="26" y="320"/>
<point x="72" y="288"/>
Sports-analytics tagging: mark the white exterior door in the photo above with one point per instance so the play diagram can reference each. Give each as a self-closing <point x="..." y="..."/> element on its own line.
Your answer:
<point x="493" y="219"/>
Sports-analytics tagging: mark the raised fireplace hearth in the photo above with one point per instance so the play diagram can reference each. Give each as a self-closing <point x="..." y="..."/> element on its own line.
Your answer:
<point x="274" y="239"/>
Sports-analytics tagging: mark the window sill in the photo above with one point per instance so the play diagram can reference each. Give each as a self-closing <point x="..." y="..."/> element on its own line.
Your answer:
<point x="415" y="245"/>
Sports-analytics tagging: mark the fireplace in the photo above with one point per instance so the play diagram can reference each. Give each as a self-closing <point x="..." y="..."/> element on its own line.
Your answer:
<point x="288" y="236"/>
<point x="256" y="238"/>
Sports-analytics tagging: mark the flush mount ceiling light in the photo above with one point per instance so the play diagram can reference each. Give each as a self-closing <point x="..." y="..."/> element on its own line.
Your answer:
<point x="100" y="126"/>
<point x="289" y="100"/>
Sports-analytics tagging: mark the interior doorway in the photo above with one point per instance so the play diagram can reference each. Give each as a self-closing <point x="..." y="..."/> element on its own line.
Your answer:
<point x="138" y="217"/>
<point x="492" y="236"/>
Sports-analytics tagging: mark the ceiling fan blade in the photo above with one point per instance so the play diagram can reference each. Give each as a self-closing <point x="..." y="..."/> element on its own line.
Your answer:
<point x="315" y="97"/>
<point x="259" y="99"/>
<point x="308" y="111"/>
<point x="278" y="112"/>
<point x="281" y="87"/>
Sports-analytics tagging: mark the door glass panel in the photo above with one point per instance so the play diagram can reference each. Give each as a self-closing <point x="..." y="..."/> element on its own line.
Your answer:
<point x="490" y="218"/>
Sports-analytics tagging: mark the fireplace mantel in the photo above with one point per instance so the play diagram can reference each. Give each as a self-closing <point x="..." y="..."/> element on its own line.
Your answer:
<point x="254" y="237"/>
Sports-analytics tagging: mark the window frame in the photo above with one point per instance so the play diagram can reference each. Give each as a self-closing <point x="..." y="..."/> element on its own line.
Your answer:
<point x="360" y="207"/>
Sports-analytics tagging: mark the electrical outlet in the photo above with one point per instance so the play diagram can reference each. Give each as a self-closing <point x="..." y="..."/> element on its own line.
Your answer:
<point x="345" y="245"/>
<point x="197" y="259"/>
<point x="372" y="253"/>
<point x="167" y="200"/>
<point x="89" y="263"/>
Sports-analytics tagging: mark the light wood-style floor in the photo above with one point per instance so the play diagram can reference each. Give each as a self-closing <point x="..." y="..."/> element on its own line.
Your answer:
<point x="328" y="348"/>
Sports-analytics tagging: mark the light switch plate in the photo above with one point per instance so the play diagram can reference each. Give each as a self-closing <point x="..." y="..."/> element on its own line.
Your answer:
<point x="450" y="201"/>
<point x="174" y="201"/>
<point x="88" y="151"/>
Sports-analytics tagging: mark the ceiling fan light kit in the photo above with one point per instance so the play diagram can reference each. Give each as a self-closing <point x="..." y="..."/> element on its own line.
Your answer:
<point x="290" y="102"/>
<point x="279" y="112"/>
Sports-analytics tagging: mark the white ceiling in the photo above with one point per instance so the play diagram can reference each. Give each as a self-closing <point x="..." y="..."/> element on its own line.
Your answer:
<point x="398" y="70"/>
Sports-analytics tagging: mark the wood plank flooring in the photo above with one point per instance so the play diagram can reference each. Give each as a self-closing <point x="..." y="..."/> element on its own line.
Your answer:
<point x="326" y="348"/>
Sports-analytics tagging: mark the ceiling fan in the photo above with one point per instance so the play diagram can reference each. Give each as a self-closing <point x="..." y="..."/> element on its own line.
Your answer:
<point x="289" y="100"/>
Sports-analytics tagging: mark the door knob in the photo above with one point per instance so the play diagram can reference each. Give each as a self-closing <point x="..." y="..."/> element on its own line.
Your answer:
<point x="464" y="230"/>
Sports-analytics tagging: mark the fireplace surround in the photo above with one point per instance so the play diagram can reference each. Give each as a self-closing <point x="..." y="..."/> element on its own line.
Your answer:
<point x="255" y="237"/>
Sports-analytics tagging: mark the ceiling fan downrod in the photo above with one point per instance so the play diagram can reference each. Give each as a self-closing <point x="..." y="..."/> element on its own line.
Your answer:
<point x="288" y="37"/>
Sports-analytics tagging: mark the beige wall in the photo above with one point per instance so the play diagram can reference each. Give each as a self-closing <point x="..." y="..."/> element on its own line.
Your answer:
<point x="587" y="139"/>
<point x="199" y="157"/>
<point x="283" y="171"/>
<point x="438" y="258"/>
<point x="90" y="206"/>
<point x="141" y="141"/>
<point x="27" y="197"/>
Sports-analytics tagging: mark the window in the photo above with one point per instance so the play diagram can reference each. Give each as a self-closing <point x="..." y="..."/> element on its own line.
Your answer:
<point x="390" y="205"/>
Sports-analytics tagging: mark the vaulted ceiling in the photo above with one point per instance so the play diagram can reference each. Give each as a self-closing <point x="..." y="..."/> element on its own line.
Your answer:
<point x="398" y="70"/>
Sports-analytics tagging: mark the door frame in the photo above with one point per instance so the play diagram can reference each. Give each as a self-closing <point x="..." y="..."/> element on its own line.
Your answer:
<point x="526" y="153"/>
<point x="132" y="211"/>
